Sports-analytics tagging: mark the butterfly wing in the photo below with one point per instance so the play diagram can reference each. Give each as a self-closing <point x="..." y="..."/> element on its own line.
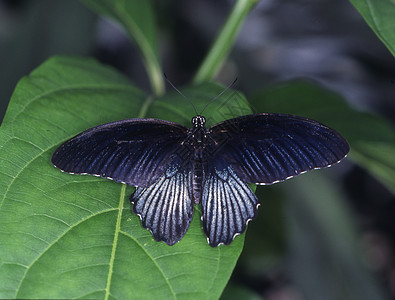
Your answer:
<point x="134" y="151"/>
<point x="268" y="148"/>
<point x="227" y="205"/>
<point x="166" y="207"/>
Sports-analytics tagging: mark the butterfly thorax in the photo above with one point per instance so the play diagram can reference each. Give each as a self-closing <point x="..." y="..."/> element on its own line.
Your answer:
<point x="198" y="137"/>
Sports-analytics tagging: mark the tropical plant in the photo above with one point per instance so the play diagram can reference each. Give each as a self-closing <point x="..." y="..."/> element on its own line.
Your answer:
<point x="65" y="236"/>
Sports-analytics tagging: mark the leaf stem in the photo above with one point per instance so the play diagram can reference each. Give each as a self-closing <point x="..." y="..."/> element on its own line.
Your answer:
<point x="150" y="58"/>
<point x="155" y="75"/>
<point x="137" y="18"/>
<point x="225" y="39"/>
<point x="115" y="241"/>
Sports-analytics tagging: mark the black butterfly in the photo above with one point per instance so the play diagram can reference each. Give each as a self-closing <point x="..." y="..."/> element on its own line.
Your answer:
<point x="174" y="167"/>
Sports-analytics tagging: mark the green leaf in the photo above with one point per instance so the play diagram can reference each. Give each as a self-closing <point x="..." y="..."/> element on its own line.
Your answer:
<point x="265" y="245"/>
<point x="371" y="137"/>
<point x="68" y="236"/>
<point x="224" y="41"/>
<point x="380" y="17"/>
<point x="137" y="18"/>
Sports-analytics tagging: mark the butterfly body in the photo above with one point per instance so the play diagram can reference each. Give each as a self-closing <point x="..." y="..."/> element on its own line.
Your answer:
<point x="197" y="179"/>
<point x="174" y="167"/>
<point x="195" y="155"/>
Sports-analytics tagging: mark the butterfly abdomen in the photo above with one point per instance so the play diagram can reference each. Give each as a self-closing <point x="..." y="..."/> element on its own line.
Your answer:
<point x="197" y="180"/>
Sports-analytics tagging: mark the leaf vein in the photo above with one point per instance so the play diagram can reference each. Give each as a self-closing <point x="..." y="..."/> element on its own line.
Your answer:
<point x="115" y="241"/>
<point x="54" y="242"/>
<point x="69" y="88"/>
<point x="154" y="261"/>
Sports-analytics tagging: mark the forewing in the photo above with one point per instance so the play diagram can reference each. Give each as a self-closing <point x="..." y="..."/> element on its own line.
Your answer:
<point x="267" y="148"/>
<point x="227" y="205"/>
<point x="135" y="151"/>
<point x="166" y="207"/>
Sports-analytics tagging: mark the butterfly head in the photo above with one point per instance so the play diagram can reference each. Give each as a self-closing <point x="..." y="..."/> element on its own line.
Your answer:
<point x="198" y="121"/>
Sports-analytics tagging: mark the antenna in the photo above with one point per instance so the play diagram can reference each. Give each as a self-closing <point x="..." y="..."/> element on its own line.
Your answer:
<point x="212" y="100"/>
<point x="216" y="97"/>
<point x="172" y="85"/>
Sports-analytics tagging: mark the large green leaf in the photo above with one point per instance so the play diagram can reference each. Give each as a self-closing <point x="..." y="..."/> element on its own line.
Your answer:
<point x="379" y="14"/>
<point x="68" y="236"/>
<point x="371" y="137"/>
<point x="138" y="19"/>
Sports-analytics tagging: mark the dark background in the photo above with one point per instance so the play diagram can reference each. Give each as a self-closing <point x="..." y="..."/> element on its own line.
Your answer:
<point x="325" y="40"/>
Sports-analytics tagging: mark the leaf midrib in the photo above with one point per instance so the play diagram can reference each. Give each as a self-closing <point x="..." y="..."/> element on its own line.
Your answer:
<point x="54" y="242"/>
<point x="115" y="241"/>
<point x="142" y="113"/>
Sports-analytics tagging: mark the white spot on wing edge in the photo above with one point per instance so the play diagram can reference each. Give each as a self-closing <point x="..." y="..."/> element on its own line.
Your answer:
<point x="236" y="234"/>
<point x="296" y="173"/>
<point x="139" y="215"/>
<point x="96" y="175"/>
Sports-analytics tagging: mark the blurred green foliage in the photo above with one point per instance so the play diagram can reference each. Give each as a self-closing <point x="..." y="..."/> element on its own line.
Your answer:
<point x="60" y="237"/>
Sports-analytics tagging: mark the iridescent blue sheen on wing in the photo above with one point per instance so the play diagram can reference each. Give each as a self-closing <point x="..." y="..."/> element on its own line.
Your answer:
<point x="268" y="148"/>
<point x="135" y="151"/>
<point x="166" y="207"/>
<point x="227" y="205"/>
<point x="174" y="167"/>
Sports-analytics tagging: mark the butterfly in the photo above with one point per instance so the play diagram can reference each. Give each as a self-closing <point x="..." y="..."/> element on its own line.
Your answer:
<point x="174" y="167"/>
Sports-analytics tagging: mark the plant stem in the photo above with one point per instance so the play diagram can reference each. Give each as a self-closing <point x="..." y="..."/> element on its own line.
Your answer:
<point x="225" y="39"/>
<point x="138" y="19"/>
<point x="155" y="75"/>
